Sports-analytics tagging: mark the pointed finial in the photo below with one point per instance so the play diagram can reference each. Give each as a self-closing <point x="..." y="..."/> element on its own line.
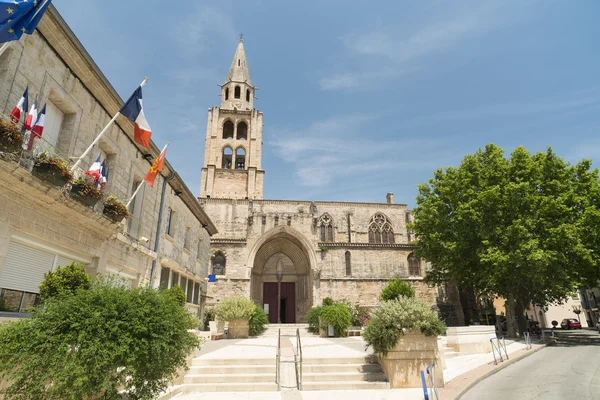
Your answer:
<point x="241" y="37"/>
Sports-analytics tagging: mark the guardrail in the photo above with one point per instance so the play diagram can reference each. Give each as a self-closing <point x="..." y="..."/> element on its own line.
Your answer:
<point x="431" y="393"/>
<point x="278" y="361"/>
<point x="527" y="338"/>
<point x="298" y="358"/>
<point x="497" y="349"/>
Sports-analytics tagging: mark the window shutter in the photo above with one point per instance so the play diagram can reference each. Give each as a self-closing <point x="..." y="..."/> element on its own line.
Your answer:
<point x="24" y="267"/>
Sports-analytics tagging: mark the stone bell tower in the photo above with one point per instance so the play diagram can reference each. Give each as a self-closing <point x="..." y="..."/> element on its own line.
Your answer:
<point x="233" y="149"/>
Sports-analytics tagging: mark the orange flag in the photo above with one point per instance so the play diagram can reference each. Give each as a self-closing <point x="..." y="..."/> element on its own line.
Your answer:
<point x="157" y="167"/>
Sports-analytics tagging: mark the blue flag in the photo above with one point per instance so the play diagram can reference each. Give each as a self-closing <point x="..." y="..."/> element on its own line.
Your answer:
<point x="20" y="16"/>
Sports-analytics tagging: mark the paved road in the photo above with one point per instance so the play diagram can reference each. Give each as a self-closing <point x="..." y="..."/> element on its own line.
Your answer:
<point x="570" y="370"/>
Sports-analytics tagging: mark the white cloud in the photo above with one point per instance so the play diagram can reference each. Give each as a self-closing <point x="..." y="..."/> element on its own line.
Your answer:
<point x="203" y="25"/>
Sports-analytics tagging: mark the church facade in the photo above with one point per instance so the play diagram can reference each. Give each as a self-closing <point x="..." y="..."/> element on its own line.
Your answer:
<point x="288" y="255"/>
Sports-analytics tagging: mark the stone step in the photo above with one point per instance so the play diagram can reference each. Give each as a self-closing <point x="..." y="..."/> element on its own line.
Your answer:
<point x="345" y="385"/>
<point x="372" y="359"/>
<point x="228" y="387"/>
<point x="344" y="376"/>
<point x="250" y="377"/>
<point x="451" y="354"/>
<point x="249" y="362"/>
<point x="318" y="368"/>
<point x="232" y="369"/>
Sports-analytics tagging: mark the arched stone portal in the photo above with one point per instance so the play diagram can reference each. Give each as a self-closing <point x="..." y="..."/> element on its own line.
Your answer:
<point x="286" y="246"/>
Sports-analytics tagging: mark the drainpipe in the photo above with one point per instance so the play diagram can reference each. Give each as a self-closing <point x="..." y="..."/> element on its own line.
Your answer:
<point x="158" y="227"/>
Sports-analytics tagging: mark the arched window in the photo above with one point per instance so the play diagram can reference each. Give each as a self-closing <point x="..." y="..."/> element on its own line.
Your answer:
<point x="242" y="131"/>
<point x="237" y="93"/>
<point x="239" y="62"/>
<point x="348" y="264"/>
<point x="227" y="158"/>
<point x="380" y="230"/>
<point x="240" y="158"/>
<point x="218" y="264"/>
<point x="228" y="130"/>
<point x="248" y="95"/>
<point x="226" y="93"/>
<point x="325" y="226"/>
<point x="414" y="265"/>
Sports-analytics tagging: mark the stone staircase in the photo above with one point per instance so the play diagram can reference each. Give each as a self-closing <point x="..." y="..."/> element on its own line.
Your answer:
<point x="287" y="330"/>
<point x="230" y="375"/>
<point x="343" y="374"/>
<point x="447" y="351"/>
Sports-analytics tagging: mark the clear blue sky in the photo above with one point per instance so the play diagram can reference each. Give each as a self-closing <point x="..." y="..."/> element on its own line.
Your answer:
<point x="360" y="98"/>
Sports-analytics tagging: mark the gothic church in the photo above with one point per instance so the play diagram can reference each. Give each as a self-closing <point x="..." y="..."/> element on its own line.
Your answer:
<point x="289" y="255"/>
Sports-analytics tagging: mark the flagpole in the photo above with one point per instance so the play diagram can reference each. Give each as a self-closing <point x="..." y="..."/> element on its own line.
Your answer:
<point x="4" y="47"/>
<point x="85" y="153"/>
<point x="135" y="193"/>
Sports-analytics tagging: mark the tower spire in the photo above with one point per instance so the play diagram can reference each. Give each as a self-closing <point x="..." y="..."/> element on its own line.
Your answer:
<point x="238" y="72"/>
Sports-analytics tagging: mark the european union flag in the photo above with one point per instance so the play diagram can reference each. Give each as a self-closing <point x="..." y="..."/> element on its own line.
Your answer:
<point x="20" y="16"/>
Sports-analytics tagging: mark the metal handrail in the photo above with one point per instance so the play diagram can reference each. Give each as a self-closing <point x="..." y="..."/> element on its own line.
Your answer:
<point x="433" y="389"/>
<point x="298" y="360"/>
<point x="527" y="338"/>
<point x="278" y="361"/>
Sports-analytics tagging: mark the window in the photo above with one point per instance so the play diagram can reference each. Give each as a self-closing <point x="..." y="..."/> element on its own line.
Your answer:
<point x="237" y="92"/>
<point x="218" y="264"/>
<point x="276" y="220"/>
<point x="52" y="124"/>
<point x="183" y="284"/>
<point x="226" y="93"/>
<point x="171" y="223"/>
<point x="186" y="238"/>
<point x="325" y="226"/>
<point x="349" y="230"/>
<point x="240" y="158"/>
<point x="289" y="221"/>
<point x="380" y="230"/>
<point x="414" y="265"/>
<point x="135" y="208"/>
<point x="248" y="95"/>
<point x="18" y="301"/>
<point x="242" y="131"/>
<point x="164" y="278"/>
<point x="348" y="264"/>
<point x="264" y="219"/>
<point x="228" y="130"/>
<point x="239" y="62"/>
<point x="227" y="158"/>
<point x="196" y="293"/>
<point x="174" y="278"/>
<point x="190" y="291"/>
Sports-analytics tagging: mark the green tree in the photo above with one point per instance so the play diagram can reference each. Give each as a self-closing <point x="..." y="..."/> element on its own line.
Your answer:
<point x="396" y="288"/>
<point x="94" y="342"/>
<point x="65" y="280"/>
<point x="525" y="228"/>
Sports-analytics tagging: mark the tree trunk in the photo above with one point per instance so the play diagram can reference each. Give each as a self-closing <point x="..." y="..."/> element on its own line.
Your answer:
<point x="511" y="322"/>
<point x="468" y="303"/>
<point x="520" y="315"/>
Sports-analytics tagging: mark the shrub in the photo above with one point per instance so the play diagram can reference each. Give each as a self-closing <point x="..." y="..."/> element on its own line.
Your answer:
<point x="234" y="308"/>
<point x="65" y="280"/>
<point x="258" y="321"/>
<point x="338" y="316"/>
<point x="396" y="317"/>
<point x="209" y="315"/>
<point x="396" y="288"/>
<point x="312" y="317"/>
<point x="327" y="301"/>
<point x="94" y="343"/>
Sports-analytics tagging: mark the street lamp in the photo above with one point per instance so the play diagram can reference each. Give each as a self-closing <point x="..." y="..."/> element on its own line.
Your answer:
<point x="279" y="273"/>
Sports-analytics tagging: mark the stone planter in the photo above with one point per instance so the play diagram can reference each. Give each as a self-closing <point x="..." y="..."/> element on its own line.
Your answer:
<point x="238" y="329"/>
<point x="474" y="339"/>
<point x="412" y="354"/>
<point x="48" y="174"/>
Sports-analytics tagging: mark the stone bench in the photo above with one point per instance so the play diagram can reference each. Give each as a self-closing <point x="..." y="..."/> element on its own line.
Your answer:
<point x="354" y="332"/>
<point x="474" y="339"/>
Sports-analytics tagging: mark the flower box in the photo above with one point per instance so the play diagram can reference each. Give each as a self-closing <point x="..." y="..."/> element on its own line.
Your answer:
<point x="51" y="173"/>
<point x="85" y="192"/>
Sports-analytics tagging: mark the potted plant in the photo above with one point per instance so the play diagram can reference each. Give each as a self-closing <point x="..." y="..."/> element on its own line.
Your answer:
<point x="237" y="311"/>
<point x="403" y="332"/>
<point x="85" y="191"/>
<point x="51" y="170"/>
<point x="11" y="138"/>
<point x="115" y="209"/>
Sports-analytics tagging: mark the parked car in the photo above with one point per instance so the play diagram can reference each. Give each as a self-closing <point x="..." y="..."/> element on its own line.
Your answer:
<point x="570" y="323"/>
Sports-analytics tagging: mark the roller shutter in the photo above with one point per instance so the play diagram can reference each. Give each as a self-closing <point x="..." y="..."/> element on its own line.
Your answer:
<point x="24" y="267"/>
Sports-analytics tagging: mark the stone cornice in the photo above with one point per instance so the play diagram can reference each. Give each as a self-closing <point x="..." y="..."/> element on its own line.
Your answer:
<point x="308" y="203"/>
<point x="214" y="240"/>
<point x="368" y="245"/>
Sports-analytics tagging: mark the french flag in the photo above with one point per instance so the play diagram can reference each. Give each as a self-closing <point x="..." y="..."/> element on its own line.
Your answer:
<point x="134" y="111"/>
<point x="15" y="115"/>
<point x="38" y="128"/>
<point x="31" y="117"/>
<point x="95" y="170"/>
<point x="104" y="175"/>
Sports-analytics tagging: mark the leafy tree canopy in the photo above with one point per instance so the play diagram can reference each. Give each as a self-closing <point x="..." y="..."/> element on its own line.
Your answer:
<point x="525" y="227"/>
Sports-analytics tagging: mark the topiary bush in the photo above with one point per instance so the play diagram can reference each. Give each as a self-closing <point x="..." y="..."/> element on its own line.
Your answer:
<point x="234" y="308"/>
<point x="395" y="318"/>
<point x="65" y="280"/>
<point x="312" y="317"/>
<point x="258" y="321"/>
<point x="337" y="316"/>
<point x="396" y="288"/>
<point x="95" y="343"/>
